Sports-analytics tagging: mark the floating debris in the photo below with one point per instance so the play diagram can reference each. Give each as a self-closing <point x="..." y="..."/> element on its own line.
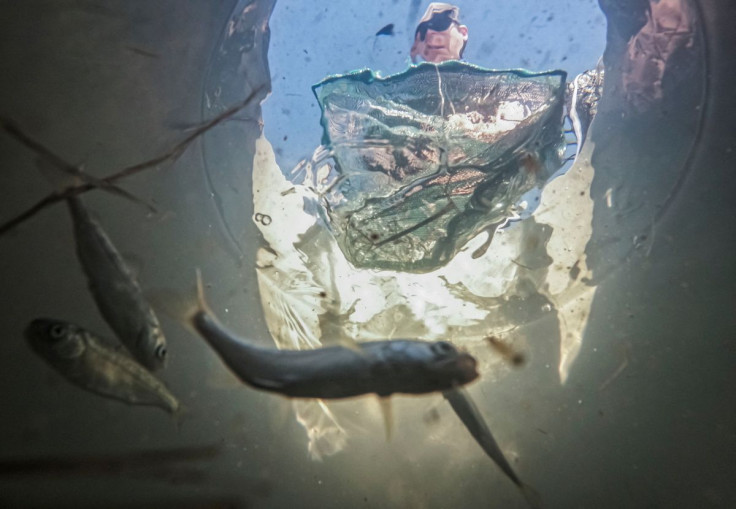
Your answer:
<point x="509" y="354"/>
<point x="387" y="30"/>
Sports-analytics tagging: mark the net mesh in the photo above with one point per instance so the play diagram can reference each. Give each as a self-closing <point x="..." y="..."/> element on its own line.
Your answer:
<point x="428" y="158"/>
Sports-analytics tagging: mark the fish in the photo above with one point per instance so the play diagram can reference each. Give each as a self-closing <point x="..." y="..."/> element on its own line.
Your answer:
<point x="56" y="169"/>
<point x="468" y="412"/>
<point x="83" y="359"/>
<point x="116" y="291"/>
<point x="382" y="368"/>
<point x="506" y="351"/>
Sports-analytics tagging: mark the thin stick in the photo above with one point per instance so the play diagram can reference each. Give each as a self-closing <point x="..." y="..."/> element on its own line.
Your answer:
<point x="180" y="148"/>
<point x="46" y="154"/>
<point x="38" y="207"/>
<point x="106" y="183"/>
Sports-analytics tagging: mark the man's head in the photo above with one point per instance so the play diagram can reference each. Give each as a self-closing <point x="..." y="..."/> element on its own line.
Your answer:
<point x="439" y="35"/>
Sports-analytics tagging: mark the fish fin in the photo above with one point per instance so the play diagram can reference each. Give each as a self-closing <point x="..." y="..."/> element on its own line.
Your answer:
<point x="470" y="415"/>
<point x="348" y="341"/>
<point x="201" y="302"/>
<point x="531" y="496"/>
<point x="171" y="303"/>
<point x="342" y="339"/>
<point x="179" y="306"/>
<point x="387" y="410"/>
<point x="182" y="414"/>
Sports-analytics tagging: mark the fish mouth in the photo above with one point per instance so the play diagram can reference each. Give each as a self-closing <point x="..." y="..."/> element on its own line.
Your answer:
<point x="467" y="364"/>
<point x="464" y="367"/>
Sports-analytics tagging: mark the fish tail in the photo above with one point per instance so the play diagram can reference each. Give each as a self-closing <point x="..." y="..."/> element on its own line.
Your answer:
<point x="181" y="306"/>
<point x="200" y="308"/>
<point x="181" y="414"/>
<point x="177" y="304"/>
<point x="531" y="496"/>
<point x="201" y="302"/>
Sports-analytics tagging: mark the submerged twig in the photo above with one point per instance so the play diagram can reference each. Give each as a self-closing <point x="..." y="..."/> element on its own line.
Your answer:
<point x="107" y="183"/>
<point x="180" y="148"/>
<point x="106" y="464"/>
<point x="38" y="207"/>
<point x="69" y="169"/>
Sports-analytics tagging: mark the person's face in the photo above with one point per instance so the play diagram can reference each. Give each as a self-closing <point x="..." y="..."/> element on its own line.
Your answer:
<point x="440" y="46"/>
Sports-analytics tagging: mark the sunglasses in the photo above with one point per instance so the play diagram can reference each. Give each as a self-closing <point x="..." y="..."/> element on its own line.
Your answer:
<point x="439" y="22"/>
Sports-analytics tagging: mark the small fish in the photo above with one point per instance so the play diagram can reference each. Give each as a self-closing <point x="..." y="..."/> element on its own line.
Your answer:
<point x="376" y="367"/>
<point x="509" y="354"/>
<point x="80" y="357"/>
<point x="465" y="408"/>
<point x="116" y="292"/>
<point x="387" y="30"/>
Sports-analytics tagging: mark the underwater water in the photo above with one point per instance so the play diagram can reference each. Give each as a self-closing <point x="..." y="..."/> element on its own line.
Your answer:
<point x="617" y="288"/>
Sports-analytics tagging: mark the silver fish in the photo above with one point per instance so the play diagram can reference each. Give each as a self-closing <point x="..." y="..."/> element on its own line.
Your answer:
<point x="465" y="408"/>
<point x="376" y="367"/>
<point x="81" y="357"/>
<point x="116" y="292"/>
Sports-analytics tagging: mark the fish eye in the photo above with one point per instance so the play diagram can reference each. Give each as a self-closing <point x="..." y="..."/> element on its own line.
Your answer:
<point x="443" y="348"/>
<point x="160" y="352"/>
<point x="57" y="331"/>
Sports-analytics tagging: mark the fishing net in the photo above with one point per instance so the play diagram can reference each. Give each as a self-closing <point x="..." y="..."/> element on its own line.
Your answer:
<point x="428" y="158"/>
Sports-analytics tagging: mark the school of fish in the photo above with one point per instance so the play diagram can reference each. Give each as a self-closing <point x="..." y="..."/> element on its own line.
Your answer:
<point x="383" y="368"/>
